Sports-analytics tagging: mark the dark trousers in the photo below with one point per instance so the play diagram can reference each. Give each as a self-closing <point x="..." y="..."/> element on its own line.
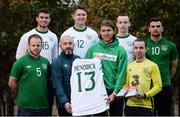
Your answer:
<point x="137" y="111"/>
<point x="63" y="112"/>
<point x="51" y="95"/>
<point x="163" y="102"/>
<point x="33" y="112"/>
<point x="116" y="107"/>
<point x="105" y="113"/>
<point x="102" y="114"/>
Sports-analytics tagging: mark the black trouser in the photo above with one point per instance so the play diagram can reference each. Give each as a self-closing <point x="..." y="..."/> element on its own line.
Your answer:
<point x="163" y="102"/>
<point x="116" y="107"/>
<point x="63" y="112"/>
<point x="51" y="95"/>
<point x="105" y="113"/>
<point x="137" y="111"/>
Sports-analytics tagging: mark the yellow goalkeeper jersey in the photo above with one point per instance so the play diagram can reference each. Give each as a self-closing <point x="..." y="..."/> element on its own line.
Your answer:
<point x="146" y="77"/>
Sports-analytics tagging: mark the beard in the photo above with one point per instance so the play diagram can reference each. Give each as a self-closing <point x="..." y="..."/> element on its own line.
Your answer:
<point x="68" y="51"/>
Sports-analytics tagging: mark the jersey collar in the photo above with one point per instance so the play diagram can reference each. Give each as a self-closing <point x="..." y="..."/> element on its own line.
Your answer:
<point x="123" y="36"/>
<point x="41" y="31"/>
<point x="79" y="30"/>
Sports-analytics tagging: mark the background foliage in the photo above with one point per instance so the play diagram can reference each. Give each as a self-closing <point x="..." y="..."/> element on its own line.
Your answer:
<point x="18" y="17"/>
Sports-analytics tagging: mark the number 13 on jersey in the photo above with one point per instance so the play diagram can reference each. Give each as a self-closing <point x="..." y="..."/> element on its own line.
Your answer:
<point x="86" y="81"/>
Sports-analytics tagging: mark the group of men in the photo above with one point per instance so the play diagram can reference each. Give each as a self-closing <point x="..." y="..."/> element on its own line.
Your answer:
<point x="44" y="69"/>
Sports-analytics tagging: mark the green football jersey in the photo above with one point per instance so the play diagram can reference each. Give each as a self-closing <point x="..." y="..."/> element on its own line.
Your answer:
<point x="31" y="75"/>
<point x="162" y="53"/>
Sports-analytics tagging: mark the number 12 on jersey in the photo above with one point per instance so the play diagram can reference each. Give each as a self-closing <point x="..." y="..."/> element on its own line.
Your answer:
<point x="87" y="76"/>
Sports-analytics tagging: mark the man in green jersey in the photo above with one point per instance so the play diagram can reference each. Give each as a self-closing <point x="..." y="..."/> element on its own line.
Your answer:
<point x="49" y="42"/>
<point x="114" y="63"/>
<point x="164" y="53"/>
<point x="28" y="80"/>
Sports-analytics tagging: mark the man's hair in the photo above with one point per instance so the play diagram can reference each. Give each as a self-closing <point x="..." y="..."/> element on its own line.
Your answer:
<point x="79" y="6"/>
<point x="155" y="19"/>
<point x="34" y="36"/>
<point x="140" y="40"/>
<point x="123" y="13"/>
<point x="42" y="10"/>
<point x="64" y="37"/>
<point x="107" y="23"/>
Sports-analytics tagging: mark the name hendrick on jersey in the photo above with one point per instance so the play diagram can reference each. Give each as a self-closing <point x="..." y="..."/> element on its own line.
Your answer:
<point x="88" y="93"/>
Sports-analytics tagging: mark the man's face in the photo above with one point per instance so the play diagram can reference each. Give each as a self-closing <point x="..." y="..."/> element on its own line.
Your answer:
<point x="79" y="17"/>
<point x="43" y="20"/>
<point x="123" y="24"/>
<point x="35" y="46"/>
<point x="156" y="28"/>
<point x="106" y="33"/>
<point x="67" y="45"/>
<point x="139" y="49"/>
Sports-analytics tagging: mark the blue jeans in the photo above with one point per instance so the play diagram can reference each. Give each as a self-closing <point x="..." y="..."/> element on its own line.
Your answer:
<point x="33" y="112"/>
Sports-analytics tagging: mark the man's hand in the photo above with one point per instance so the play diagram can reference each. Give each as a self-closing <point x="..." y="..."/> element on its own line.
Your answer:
<point x="68" y="108"/>
<point x="141" y="96"/>
<point x="111" y="98"/>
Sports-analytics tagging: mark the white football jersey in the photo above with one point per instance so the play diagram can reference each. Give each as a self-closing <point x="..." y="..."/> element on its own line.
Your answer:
<point x="88" y="93"/>
<point x="127" y="43"/>
<point x="83" y="39"/>
<point x="50" y="44"/>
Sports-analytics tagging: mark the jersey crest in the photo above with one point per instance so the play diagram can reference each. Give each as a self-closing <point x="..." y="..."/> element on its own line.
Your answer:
<point x="88" y="36"/>
<point x="129" y="43"/>
<point x="164" y="47"/>
<point x="44" y="66"/>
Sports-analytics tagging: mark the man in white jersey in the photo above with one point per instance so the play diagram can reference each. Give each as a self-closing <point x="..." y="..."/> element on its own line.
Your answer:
<point x="84" y="37"/>
<point x="88" y="93"/>
<point x="125" y="39"/>
<point x="50" y="41"/>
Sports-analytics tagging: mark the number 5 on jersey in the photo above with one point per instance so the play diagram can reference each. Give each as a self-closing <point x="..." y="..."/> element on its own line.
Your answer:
<point x="38" y="71"/>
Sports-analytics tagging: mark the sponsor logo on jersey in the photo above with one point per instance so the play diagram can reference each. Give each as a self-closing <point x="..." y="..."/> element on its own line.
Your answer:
<point x="89" y="37"/>
<point x="164" y="47"/>
<point x="44" y="66"/>
<point x="29" y="66"/>
<point x="105" y="56"/>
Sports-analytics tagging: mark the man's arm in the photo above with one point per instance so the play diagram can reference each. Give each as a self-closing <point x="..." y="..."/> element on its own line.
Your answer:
<point x="55" y="51"/>
<point x="22" y="47"/>
<point x="13" y="84"/>
<point x="57" y="82"/>
<point x="173" y="67"/>
<point x="156" y="80"/>
<point x="121" y="72"/>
